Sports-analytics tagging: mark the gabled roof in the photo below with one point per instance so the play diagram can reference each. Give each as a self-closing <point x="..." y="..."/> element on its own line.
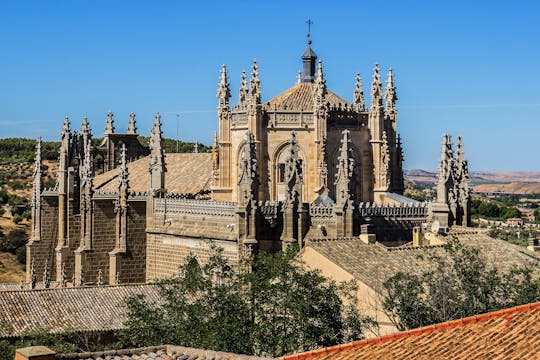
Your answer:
<point x="507" y="334"/>
<point x="85" y="309"/>
<point x="300" y="97"/>
<point x="372" y="264"/>
<point x="187" y="173"/>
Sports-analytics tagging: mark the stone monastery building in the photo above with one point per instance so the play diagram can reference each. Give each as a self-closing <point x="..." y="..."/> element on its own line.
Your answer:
<point x="306" y="164"/>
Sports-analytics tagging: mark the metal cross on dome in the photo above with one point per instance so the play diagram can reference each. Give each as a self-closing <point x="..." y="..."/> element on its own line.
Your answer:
<point x="309" y="23"/>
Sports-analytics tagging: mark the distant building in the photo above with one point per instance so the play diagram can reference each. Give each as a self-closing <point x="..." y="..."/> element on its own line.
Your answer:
<point x="514" y="222"/>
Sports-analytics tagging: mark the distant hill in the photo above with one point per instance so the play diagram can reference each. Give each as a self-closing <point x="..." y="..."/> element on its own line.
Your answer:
<point x="520" y="182"/>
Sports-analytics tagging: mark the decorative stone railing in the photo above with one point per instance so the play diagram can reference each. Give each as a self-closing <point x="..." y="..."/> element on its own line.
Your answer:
<point x="195" y="207"/>
<point x="269" y="209"/>
<point x="400" y="211"/>
<point x="321" y="211"/>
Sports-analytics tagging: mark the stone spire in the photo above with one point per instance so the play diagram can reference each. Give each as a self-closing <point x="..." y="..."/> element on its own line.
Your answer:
<point x="132" y="128"/>
<point x="463" y="185"/>
<point x="36" y="194"/>
<point x="320" y="113"/>
<point x="196" y="147"/>
<point x="46" y="275"/>
<point x="390" y="95"/>
<point x="32" y="276"/>
<point x="358" y="96"/>
<point x="157" y="156"/>
<point x="319" y="90"/>
<point x="243" y="93"/>
<point x="224" y="91"/>
<point x="62" y="181"/>
<point x="345" y="171"/>
<point x="86" y="131"/>
<point x="445" y="173"/>
<point x="248" y="182"/>
<point x="255" y="84"/>
<point x="376" y="89"/>
<point x="399" y="185"/>
<point x="109" y="127"/>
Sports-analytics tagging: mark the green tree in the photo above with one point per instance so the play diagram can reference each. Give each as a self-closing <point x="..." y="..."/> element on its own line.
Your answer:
<point x="269" y="304"/>
<point x="456" y="284"/>
<point x="537" y="215"/>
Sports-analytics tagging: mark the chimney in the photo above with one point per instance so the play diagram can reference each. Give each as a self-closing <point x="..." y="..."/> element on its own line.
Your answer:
<point x="35" y="353"/>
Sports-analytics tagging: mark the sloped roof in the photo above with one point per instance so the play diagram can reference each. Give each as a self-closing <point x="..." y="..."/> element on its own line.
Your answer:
<point x="300" y="96"/>
<point x="507" y="334"/>
<point x="374" y="263"/>
<point x="84" y="309"/>
<point x="187" y="173"/>
<point x="158" y="353"/>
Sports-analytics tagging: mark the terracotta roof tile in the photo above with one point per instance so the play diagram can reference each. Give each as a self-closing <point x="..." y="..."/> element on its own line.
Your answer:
<point x="300" y="96"/>
<point x="506" y="334"/>
<point x="187" y="173"/>
<point x="80" y="308"/>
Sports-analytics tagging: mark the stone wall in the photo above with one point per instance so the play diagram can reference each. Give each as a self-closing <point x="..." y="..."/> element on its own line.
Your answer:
<point x="165" y="253"/>
<point x="41" y="251"/>
<point x="132" y="263"/>
<point x="103" y="241"/>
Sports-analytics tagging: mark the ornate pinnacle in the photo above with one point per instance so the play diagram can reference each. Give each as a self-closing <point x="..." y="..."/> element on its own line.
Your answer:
<point x="66" y="129"/>
<point x="86" y="131"/>
<point x="132" y="128"/>
<point x="224" y="92"/>
<point x="156" y="145"/>
<point x="293" y="173"/>
<point x="319" y="91"/>
<point x="87" y="168"/>
<point x="33" y="277"/>
<point x="46" y="277"/>
<point x="123" y="181"/>
<point x="385" y="161"/>
<point x="63" y="275"/>
<point x="376" y="88"/>
<point x="196" y="147"/>
<point x="99" y="281"/>
<point x="345" y="170"/>
<point x="390" y="95"/>
<point x="460" y="151"/>
<point x="446" y="161"/>
<point x="109" y="127"/>
<point x="255" y="84"/>
<point x="37" y="161"/>
<point x="243" y="88"/>
<point x="358" y="96"/>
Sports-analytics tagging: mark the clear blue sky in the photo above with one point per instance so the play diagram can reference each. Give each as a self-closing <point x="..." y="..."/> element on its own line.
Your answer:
<point x="463" y="67"/>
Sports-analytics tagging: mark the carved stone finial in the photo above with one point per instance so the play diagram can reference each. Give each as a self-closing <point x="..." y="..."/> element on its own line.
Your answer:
<point x="196" y="147"/>
<point x="255" y="84"/>
<point x="358" y="96"/>
<point x="445" y="172"/>
<point x="243" y="93"/>
<point x="391" y="94"/>
<point x="157" y="156"/>
<point x="132" y="127"/>
<point x="117" y="280"/>
<point x="66" y="129"/>
<point x="224" y="91"/>
<point x="86" y="131"/>
<point x="319" y="92"/>
<point x="299" y="77"/>
<point x="376" y="88"/>
<point x="109" y="127"/>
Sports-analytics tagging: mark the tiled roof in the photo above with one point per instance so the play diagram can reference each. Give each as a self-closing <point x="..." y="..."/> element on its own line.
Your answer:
<point x="79" y="308"/>
<point x="372" y="264"/>
<point x="300" y="96"/>
<point x="509" y="334"/>
<point x="167" y="352"/>
<point x="187" y="173"/>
